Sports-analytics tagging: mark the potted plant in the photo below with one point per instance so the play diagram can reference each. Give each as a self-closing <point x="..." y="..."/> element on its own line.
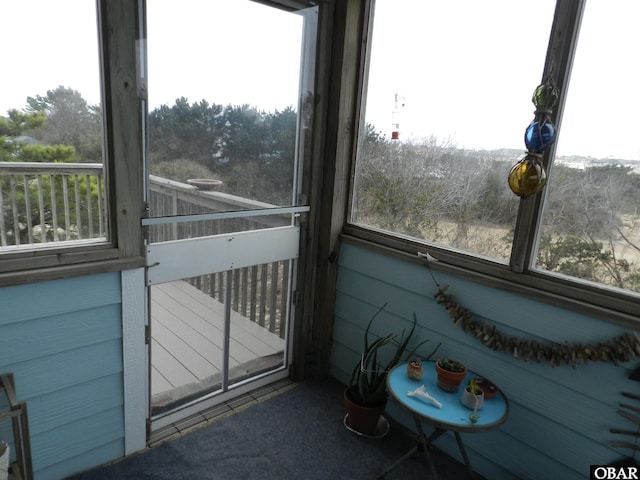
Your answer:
<point x="473" y="398"/>
<point x="489" y="388"/>
<point x="473" y="395"/>
<point x="415" y="369"/>
<point x="450" y="373"/>
<point x="366" y="394"/>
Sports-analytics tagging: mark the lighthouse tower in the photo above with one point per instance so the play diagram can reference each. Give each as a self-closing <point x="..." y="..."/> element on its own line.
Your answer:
<point x="396" y="114"/>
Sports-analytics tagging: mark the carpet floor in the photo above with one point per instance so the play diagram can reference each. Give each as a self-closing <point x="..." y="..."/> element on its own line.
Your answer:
<point x="298" y="434"/>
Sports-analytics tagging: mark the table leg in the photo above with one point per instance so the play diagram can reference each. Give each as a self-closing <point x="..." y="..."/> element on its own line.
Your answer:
<point x="426" y="443"/>
<point x="423" y="444"/>
<point x="463" y="451"/>
<point x="398" y="462"/>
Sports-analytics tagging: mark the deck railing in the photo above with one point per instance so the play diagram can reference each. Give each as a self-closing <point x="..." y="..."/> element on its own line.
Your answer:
<point x="259" y="292"/>
<point x="51" y="202"/>
<point x="61" y="202"/>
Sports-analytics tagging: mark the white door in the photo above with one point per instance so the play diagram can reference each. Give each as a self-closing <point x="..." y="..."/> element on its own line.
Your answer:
<point x="229" y="116"/>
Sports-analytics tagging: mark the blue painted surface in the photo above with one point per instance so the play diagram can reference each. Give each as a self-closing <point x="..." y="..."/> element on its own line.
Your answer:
<point x="559" y="418"/>
<point x="452" y="415"/>
<point x="63" y="342"/>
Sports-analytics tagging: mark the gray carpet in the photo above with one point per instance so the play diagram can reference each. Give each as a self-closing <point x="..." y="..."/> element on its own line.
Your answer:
<point x="298" y="434"/>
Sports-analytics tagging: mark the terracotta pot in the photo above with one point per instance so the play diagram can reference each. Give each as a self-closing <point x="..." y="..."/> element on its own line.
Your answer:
<point x="490" y="390"/>
<point x="363" y="419"/>
<point x="449" y="381"/>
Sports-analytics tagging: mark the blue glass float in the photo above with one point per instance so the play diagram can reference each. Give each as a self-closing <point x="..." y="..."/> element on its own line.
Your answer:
<point x="539" y="136"/>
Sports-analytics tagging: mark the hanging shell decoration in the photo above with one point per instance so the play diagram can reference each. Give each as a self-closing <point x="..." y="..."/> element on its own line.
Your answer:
<point x="622" y="348"/>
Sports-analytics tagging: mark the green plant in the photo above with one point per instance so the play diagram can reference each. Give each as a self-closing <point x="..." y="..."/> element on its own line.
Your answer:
<point x="367" y="385"/>
<point x="474" y="387"/>
<point x="451" y="365"/>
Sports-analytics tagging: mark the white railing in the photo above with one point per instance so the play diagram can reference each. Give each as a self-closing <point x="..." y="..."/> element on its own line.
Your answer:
<point x="51" y="202"/>
<point x="259" y="292"/>
<point x="65" y="202"/>
<point x="169" y="198"/>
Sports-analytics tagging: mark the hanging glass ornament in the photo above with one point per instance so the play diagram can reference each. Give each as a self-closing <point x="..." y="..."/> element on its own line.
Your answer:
<point x="545" y="96"/>
<point x="527" y="177"/>
<point x="539" y="136"/>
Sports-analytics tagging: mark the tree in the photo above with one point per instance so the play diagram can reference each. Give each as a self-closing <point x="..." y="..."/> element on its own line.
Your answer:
<point x="70" y="121"/>
<point x="25" y="220"/>
<point x="251" y="151"/>
<point x="186" y="131"/>
<point x="18" y="122"/>
<point x="584" y="231"/>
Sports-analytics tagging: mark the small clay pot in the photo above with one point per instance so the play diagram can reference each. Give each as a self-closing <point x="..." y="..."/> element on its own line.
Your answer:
<point x="490" y="390"/>
<point x="449" y="381"/>
<point x="415" y="370"/>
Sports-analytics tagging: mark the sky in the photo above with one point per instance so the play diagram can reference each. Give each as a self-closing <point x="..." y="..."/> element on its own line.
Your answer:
<point x="456" y="83"/>
<point x="450" y="75"/>
<point x="251" y="55"/>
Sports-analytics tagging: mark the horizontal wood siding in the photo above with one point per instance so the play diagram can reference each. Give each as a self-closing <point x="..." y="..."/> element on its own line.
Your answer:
<point x="63" y="342"/>
<point x="560" y="417"/>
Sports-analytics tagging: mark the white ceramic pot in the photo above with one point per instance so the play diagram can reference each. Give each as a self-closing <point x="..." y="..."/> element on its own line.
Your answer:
<point x="471" y="401"/>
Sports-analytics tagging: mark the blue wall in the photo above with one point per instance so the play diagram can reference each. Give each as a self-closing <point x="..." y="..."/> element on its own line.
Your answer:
<point x="63" y="342"/>
<point x="559" y="417"/>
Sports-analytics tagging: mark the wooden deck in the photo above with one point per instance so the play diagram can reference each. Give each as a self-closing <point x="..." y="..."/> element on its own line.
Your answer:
<point x="187" y="344"/>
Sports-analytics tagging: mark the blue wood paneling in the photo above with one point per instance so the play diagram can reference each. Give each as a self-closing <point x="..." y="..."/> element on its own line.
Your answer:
<point x="560" y="417"/>
<point x="24" y="302"/>
<point x="63" y="342"/>
<point x="86" y="328"/>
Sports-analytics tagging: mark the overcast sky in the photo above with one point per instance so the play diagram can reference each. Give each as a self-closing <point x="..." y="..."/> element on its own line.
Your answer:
<point x="453" y="77"/>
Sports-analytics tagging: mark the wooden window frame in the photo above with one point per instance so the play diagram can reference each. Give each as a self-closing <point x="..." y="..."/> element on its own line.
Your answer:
<point x="600" y="302"/>
<point x="122" y="93"/>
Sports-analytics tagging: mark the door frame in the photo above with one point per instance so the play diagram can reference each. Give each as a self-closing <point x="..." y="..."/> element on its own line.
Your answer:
<point x="305" y="150"/>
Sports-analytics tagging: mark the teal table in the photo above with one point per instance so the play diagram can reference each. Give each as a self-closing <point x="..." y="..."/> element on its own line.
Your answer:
<point x="453" y="416"/>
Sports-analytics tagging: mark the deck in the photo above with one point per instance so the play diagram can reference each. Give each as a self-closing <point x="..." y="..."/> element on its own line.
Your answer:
<point x="187" y="344"/>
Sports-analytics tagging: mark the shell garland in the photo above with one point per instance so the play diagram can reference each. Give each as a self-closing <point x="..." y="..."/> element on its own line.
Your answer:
<point x="622" y="348"/>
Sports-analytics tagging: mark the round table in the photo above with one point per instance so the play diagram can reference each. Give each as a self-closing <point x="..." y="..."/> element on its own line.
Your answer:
<point x="452" y="416"/>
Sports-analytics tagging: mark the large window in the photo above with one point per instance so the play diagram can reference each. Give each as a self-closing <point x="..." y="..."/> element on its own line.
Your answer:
<point x="70" y="139"/>
<point x="51" y="155"/>
<point x="447" y="102"/>
<point x="591" y="223"/>
<point x="448" y="98"/>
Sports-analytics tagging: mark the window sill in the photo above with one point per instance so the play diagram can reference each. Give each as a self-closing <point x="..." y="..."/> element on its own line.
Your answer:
<point x="607" y="305"/>
<point x="64" y="265"/>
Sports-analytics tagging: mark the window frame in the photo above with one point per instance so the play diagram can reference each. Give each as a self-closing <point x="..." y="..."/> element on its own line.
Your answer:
<point x="518" y="276"/>
<point x="118" y="41"/>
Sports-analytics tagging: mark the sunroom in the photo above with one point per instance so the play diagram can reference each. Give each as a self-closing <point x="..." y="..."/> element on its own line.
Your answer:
<point x="202" y="198"/>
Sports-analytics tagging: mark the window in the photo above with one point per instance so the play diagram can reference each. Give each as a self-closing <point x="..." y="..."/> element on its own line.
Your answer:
<point x="590" y="228"/>
<point x="63" y="175"/>
<point x="51" y="158"/>
<point x="446" y="104"/>
<point x="435" y="150"/>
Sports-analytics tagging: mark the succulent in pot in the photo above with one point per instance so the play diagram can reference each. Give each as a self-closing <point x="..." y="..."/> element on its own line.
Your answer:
<point x="490" y="389"/>
<point x="367" y="386"/>
<point x="450" y="373"/>
<point x="473" y="398"/>
<point x="415" y="369"/>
